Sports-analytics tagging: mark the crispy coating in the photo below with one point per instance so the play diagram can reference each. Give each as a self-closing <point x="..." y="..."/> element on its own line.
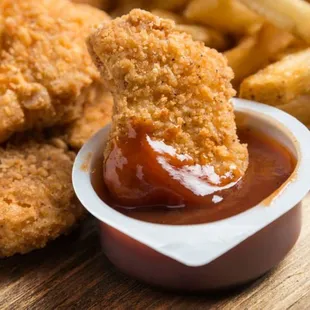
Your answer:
<point x="45" y="69"/>
<point x="96" y="114"/>
<point x="160" y="76"/>
<point x="284" y="84"/>
<point x="37" y="200"/>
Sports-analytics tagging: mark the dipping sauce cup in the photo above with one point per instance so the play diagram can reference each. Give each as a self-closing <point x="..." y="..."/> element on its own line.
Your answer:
<point x="216" y="255"/>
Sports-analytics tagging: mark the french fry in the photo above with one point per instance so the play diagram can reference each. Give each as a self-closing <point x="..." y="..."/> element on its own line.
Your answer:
<point x="125" y="6"/>
<point x="295" y="46"/>
<point x="210" y="37"/>
<point x="284" y="84"/>
<point x="168" y="4"/>
<point x="170" y="15"/>
<point x="255" y="52"/>
<point x="229" y="16"/>
<point x="102" y="4"/>
<point x="290" y="15"/>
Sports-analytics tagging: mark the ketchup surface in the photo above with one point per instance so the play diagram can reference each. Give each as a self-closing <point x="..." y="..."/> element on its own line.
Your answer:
<point x="146" y="180"/>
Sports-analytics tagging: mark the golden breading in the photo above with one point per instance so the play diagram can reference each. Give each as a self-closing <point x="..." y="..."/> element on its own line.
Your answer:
<point x="161" y="76"/>
<point x="95" y="116"/>
<point x="37" y="200"/>
<point x="45" y="69"/>
<point x="284" y="84"/>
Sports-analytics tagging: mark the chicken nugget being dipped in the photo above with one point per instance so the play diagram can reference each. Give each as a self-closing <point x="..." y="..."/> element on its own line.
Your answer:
<point x="173" y="130"/>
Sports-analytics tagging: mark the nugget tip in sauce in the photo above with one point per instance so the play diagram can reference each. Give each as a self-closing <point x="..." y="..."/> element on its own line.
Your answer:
<point x="173" y="128"/>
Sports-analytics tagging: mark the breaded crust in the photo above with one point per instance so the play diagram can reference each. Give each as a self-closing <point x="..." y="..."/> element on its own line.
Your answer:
<point x="96" y="114"/>
<point x="37" y="201"/>
<point x="45" y="69"/>
<point x="160" y="76"/>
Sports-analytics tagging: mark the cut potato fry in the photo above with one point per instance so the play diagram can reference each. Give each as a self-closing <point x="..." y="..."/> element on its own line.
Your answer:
<point x="125" y="6"/>
<point x="255" y="52"/>
<point x="284" y="84"/>
<point x="225" y="15"/>
<point x="168" y="4"/>
<point x="102" y="4"/>
<point x="290" y="15"/>
<point x="170" y="15"/>
<point x="210" y="37"/>
<point x="295" y="46"/>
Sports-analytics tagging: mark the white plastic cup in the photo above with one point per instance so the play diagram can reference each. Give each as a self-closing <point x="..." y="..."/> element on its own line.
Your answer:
<point x="214" y="255"/>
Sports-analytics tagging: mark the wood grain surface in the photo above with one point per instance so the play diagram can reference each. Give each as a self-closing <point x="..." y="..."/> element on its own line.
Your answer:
<point x="72" y="273"/>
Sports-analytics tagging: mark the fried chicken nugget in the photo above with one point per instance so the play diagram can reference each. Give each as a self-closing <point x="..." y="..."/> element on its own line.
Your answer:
<point x="96" y="115"/>
<point x="160" y="76"/>
<point x="45" y="69"/>
<point x="37" y="200"/>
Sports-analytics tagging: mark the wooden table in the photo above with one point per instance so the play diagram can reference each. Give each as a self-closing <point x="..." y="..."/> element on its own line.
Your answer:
<point x="72" y="273"/>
